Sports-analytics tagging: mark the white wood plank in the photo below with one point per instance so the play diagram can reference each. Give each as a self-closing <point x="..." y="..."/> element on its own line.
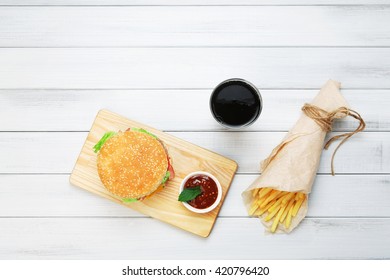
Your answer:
<point x="187" y="2"/>
<point x="40" y="152"/>
<point x="194" y="26"/>
<point x="75" y="110"/>
<point x="53" y="196"/>
<point x="232" y="238"/>
<point x="192" y="67"/>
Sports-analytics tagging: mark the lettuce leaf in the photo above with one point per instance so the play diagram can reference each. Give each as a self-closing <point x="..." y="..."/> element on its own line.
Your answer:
<point x="144" y="131"/>
<point x="129" y="200"/>
<point x="166" y="177"/>
<point x="103" y="140"/>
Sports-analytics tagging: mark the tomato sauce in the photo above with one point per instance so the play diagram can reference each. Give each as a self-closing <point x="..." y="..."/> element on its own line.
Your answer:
<point x="209" y="191"/>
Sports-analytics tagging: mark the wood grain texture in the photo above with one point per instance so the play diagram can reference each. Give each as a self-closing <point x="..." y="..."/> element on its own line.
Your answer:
<point x="42" y="152"/>
<point x="74" y="110"/>
<point x="194" y="26"/>
<point x="153" y="68"/>
<point x="164" y="205"/>
<point x="233" y="238"/>
<point x="50" y="196"/>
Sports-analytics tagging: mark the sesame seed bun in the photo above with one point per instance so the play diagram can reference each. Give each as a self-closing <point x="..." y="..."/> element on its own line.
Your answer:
<point x="132" y="164"/>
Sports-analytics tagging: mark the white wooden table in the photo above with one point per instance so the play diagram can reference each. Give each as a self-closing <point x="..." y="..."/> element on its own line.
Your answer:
<point x="156" y="62"/>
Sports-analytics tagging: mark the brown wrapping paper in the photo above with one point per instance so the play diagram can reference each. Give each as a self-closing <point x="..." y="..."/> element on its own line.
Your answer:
<point x="293" y="164"/>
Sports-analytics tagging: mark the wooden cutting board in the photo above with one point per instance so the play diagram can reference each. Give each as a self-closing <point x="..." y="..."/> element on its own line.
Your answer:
<point x="186" y="158"/>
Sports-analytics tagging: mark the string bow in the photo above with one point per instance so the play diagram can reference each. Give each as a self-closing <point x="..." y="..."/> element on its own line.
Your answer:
<point x="325" y="120"/>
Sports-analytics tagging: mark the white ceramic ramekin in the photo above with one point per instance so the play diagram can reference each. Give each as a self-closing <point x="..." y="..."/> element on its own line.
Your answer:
<point x="217" y="201"/>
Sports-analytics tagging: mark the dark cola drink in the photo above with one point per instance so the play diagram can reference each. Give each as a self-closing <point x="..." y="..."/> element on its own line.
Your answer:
<point x="235" y="103"/>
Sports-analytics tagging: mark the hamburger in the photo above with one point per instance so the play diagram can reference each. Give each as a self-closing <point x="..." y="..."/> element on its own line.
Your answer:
<point x="133" y="164"/>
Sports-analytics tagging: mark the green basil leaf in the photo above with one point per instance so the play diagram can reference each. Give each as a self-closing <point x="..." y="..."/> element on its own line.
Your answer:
<point x="103" y="140"/>
<point x="189" y="194"/>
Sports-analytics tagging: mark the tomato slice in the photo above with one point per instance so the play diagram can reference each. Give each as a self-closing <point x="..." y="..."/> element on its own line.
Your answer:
<point x="170" y="169"/>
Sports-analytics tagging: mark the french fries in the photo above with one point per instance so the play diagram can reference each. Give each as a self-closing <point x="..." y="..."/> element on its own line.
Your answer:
<point x="280" y="206"/>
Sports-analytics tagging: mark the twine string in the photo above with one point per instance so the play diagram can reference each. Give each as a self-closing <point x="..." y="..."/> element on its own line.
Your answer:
<point x="325" y="120"/>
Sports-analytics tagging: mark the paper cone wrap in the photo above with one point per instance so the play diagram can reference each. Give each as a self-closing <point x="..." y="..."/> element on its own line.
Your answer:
<point x="293" y="164"/>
